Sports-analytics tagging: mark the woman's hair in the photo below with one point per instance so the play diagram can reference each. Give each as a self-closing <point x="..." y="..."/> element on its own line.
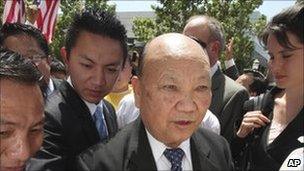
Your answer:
<point x="290" y="20"/>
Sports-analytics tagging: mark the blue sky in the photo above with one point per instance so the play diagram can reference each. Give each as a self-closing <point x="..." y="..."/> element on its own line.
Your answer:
<point x="269" y="7"/>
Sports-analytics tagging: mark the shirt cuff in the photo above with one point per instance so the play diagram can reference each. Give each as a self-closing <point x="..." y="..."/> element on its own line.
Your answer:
<point x="229" y="63"/>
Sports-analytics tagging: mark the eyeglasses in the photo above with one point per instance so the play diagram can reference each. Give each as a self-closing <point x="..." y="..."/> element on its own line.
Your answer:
<point x="203" y="44"/>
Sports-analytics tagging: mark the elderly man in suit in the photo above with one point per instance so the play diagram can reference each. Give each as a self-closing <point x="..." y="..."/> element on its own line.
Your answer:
<point x="76" y="115"/>
<point x="173" y="94"/>
<point x="228" y="97"/>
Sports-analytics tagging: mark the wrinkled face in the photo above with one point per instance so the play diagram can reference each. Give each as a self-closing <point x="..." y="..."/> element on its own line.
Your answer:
<point x="28" y="47"/>
<point x="94" y="65"/>
<point x="21" y="123"/>
<point x="286" y="64"/>
<point x="173" y="95"/>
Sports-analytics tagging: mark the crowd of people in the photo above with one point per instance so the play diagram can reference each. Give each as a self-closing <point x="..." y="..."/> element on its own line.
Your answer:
<point x="169" y="106"/>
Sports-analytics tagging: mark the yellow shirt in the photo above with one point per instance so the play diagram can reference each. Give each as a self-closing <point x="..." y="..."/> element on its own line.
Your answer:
<point x="115" y="98"/>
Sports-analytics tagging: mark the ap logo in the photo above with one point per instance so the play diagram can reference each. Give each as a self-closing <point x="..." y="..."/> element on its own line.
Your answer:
<point x="293" y="162"/>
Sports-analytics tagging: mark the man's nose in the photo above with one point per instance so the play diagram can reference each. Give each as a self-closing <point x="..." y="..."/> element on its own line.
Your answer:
<point x="98" y="78"/>
<point x="20" y="149"/>
<point x="186" y="103"/>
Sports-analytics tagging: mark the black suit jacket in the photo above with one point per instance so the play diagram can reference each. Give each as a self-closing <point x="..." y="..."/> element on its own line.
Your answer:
<point x="232" y="72"/>
<point x="227" y="102"/>
<point x="69" y="129"/>
<point x="130" y="150"/>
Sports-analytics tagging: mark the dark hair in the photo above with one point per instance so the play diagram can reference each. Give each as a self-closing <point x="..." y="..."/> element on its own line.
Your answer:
<point x="290" y="20"/>
<point x="14" y="66"/>
<point x="98" y="22"/>
<point x="255" y="73"/>
<point x="14" y="29"/>
<point x="57" y="66"/>
<point x="258" y="86"/>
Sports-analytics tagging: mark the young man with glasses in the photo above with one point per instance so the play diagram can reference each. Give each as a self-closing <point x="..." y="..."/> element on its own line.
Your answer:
<point x="30" y="43"/>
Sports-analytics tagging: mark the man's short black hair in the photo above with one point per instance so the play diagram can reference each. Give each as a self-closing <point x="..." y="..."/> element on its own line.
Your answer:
<point x="98" y="22"/>
<point x="15" y="67"/>
<point x="16" y="29"/>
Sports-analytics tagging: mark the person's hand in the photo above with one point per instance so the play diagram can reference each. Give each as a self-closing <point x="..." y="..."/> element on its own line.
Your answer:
<point x="229" y="50"/>
<point x="251" y="121"/>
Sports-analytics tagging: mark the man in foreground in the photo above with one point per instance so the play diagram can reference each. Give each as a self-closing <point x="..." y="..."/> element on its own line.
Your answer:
<point x="173" y="94"/>
<point x="21" y="111"/>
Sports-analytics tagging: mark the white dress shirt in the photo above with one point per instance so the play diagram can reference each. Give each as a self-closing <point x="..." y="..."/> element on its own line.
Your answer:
<point x="162" y="163"/>
<point x="213" y="69"/>
<point x="50" y="88"/>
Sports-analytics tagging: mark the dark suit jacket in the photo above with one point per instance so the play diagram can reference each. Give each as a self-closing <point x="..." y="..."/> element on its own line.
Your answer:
<point x="227" y="102"/>
<point x="69" y="129"/>
<point x="130" y="150"/>
<point x="232" y="72"/>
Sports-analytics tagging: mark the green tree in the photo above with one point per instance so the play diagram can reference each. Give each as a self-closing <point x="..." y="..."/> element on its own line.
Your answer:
<point x="171" y="16"/>
<point x="69" y="8"/>
<point x="1" y="10"/>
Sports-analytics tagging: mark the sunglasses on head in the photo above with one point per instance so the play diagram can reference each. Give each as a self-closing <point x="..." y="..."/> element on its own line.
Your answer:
<point x="203" y="44"/>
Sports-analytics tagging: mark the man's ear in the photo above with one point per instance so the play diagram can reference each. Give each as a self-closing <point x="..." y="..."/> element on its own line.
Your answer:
<point x="215" y="47"/>
<point x="136" y="89"/>
<point x="63" y="54"/>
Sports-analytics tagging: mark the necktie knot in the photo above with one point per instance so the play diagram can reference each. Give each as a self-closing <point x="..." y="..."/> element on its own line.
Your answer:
<point x="175" y="157"/>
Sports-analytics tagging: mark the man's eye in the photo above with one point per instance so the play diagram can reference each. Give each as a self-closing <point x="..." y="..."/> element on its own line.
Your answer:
<point x="113" y="70"/>
<point x="170" y="87"/>
<point x="36" y="130"/>
<point x="86" y="65"/>
<point x="5" y="134"/>
<point x="202" y="88"/>
<point x="287" y="56"/>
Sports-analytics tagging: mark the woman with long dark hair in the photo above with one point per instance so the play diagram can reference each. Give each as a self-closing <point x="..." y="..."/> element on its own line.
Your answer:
<point x="273" y="131"/>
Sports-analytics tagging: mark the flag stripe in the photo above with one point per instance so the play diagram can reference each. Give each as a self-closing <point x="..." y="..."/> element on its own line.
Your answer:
<point x="14" y="11"/>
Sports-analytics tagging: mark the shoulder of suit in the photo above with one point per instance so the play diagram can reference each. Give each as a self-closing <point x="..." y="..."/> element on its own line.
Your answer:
<point x="52" y="105"/>
<point x="113" y="153"/>
<point x="230" y="82"/>
<point x="209" y="136"/>
<point x="117" y="143"/>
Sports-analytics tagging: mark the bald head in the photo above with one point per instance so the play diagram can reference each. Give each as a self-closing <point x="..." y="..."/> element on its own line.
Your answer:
<point x="209" y="31"/>
<point x="174" y="87"/>
<point x="172" y="45"/>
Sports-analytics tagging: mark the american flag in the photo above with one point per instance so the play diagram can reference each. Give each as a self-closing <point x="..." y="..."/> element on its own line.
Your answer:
<point x="48" y="10"/>
<point x="14" y="11"/>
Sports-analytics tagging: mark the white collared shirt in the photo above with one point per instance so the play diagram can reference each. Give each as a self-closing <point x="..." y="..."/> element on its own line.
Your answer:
<point x="50" y="88"/>
<point x="162" y="163"/>
<point x="91" y="106"/>
<point x="229" y="63"/>
<point x="213" y="69"/>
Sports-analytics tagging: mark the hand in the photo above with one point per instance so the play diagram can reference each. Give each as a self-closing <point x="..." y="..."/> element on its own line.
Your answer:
<point x="251" y="120"/>
<point x="229" y="50"/>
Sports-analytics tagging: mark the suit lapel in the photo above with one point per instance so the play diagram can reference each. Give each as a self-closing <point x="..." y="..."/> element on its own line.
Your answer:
<point x="218" y="85"/>
<point x="141" y="156"/>
<point x="200" y="153"/>
<point x="110" y="120"/>
<point x="80" y="109"/>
